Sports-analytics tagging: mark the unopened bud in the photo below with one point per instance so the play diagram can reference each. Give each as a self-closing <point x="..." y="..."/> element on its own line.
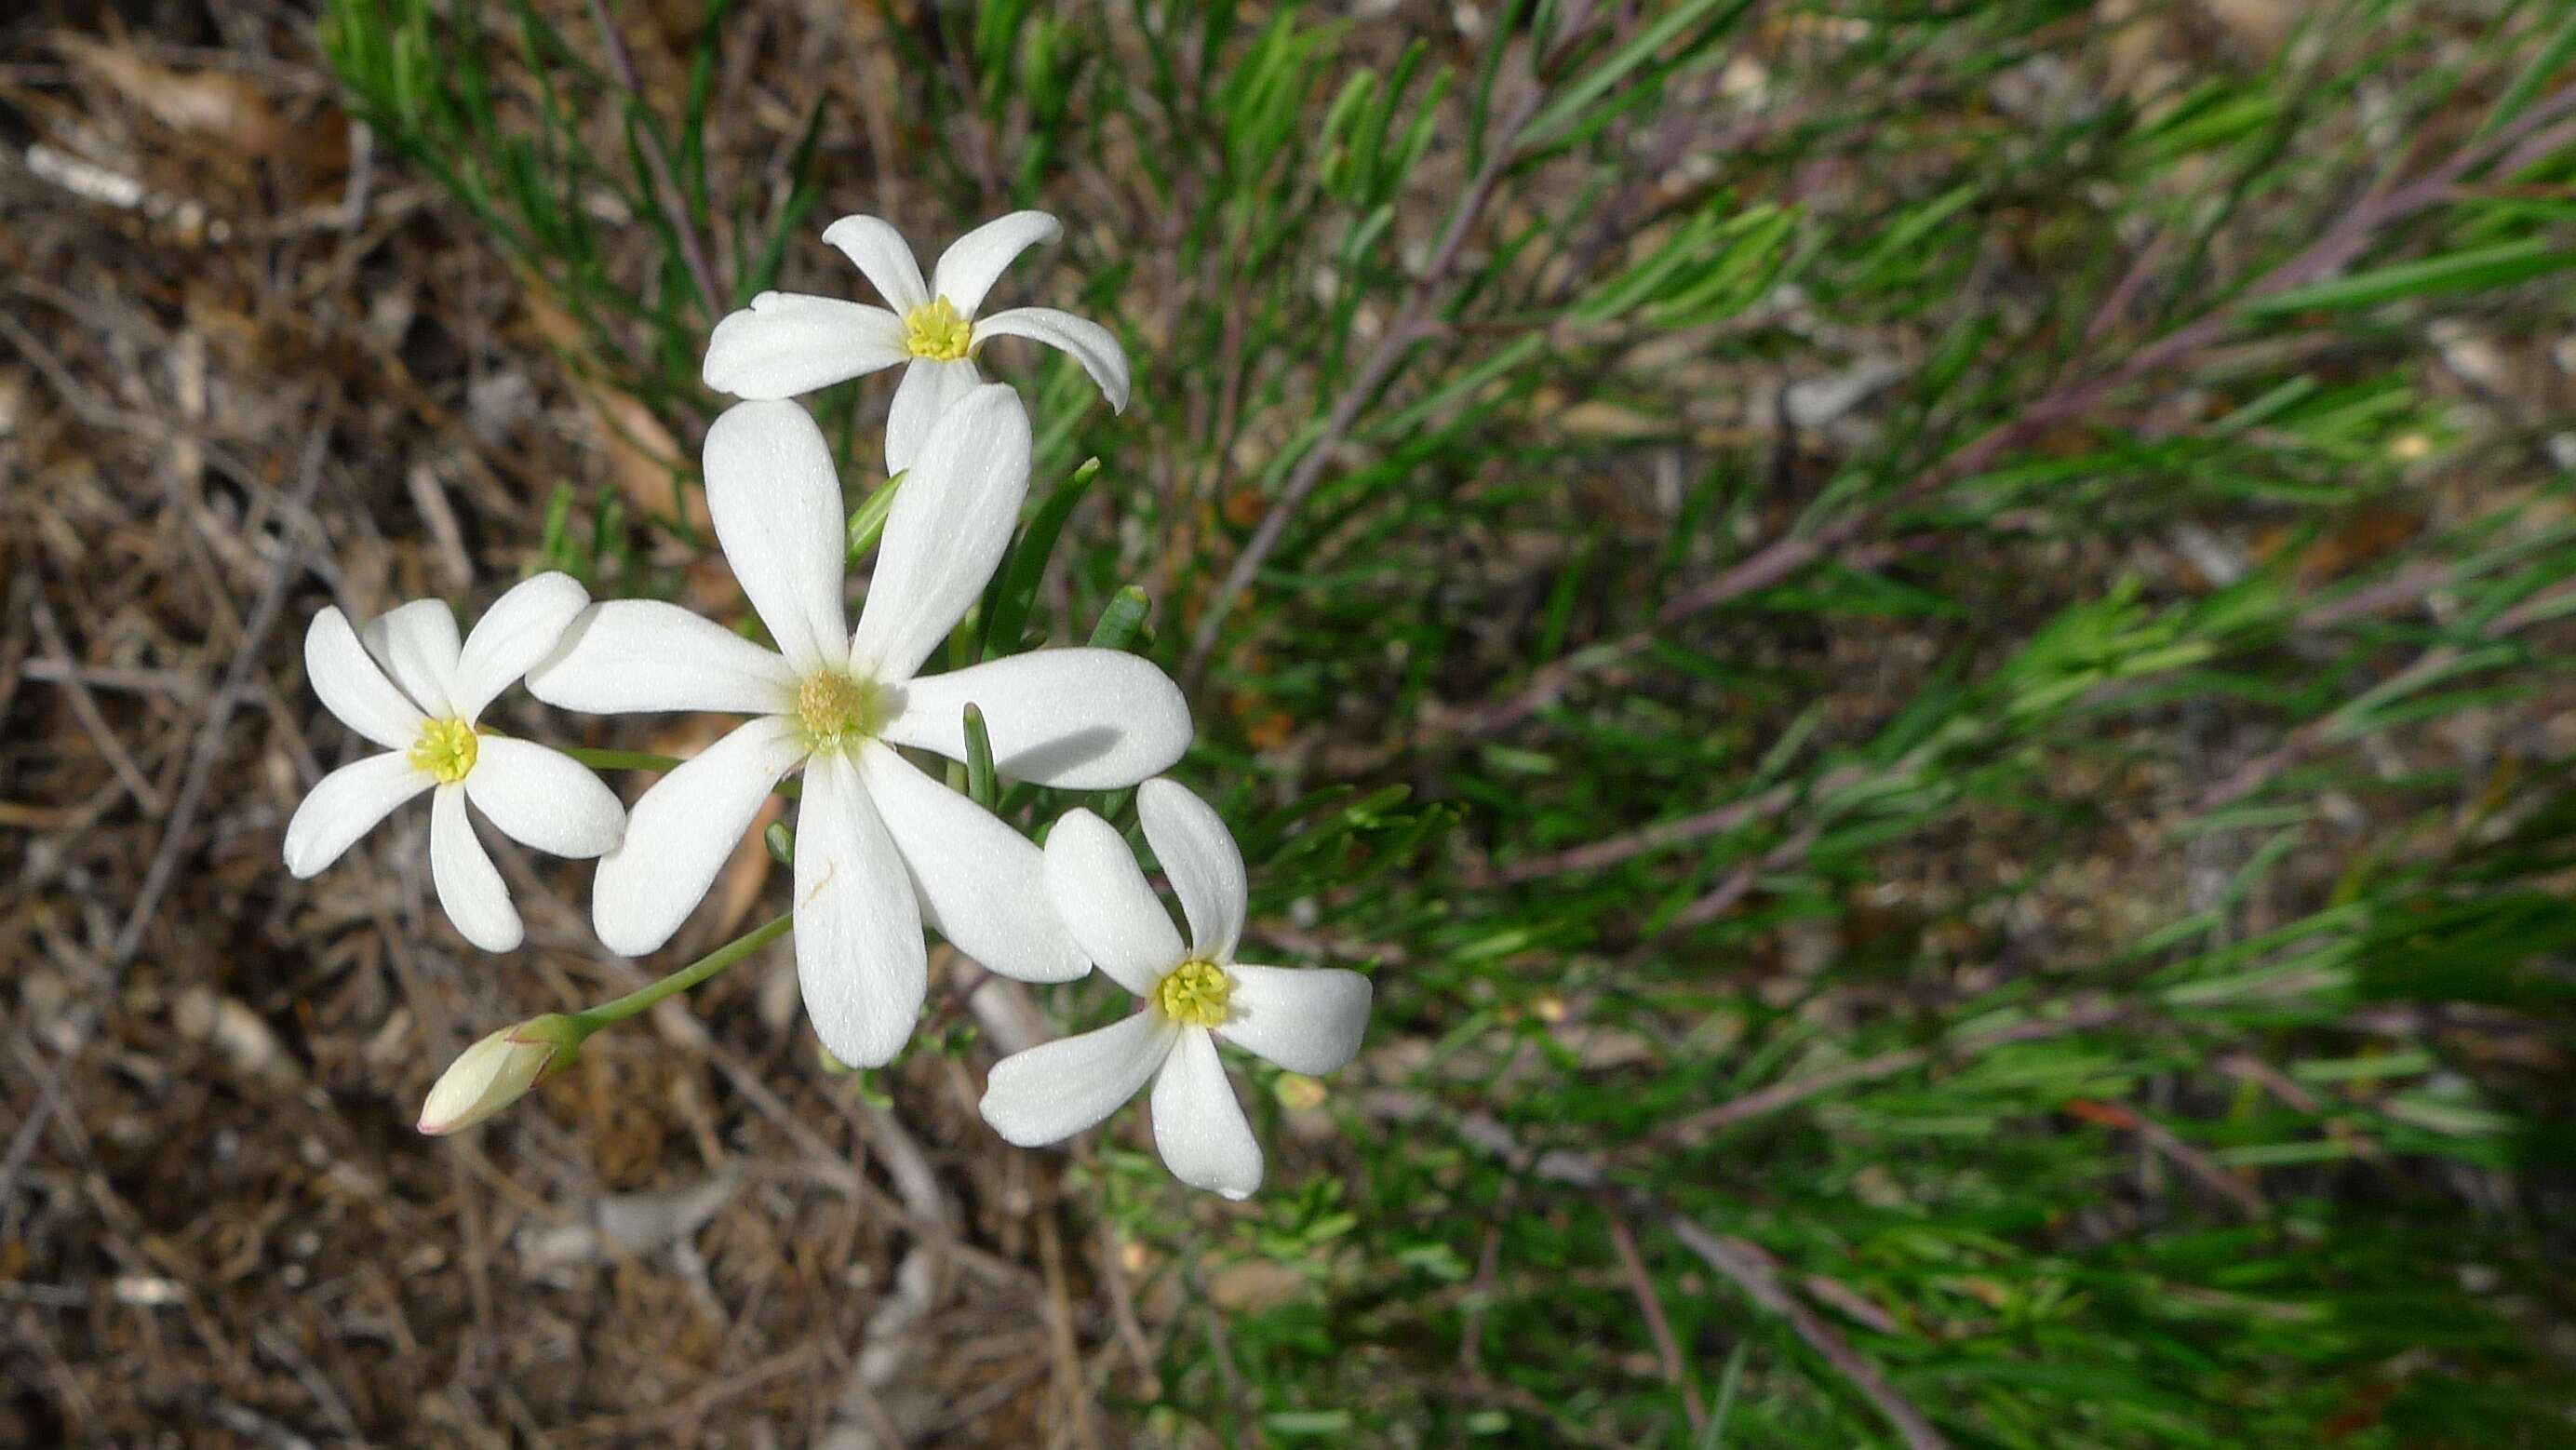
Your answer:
<point x="495" y="1072"/>
<point x="1299" y="1093"/>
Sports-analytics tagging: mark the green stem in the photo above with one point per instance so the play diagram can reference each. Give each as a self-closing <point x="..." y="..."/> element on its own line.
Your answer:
<point x="593" y="1019"/>
<point x="621" y="759"/>
<point x="647" y="760"/>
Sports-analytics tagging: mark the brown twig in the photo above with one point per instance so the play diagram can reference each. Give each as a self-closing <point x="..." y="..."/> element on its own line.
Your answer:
<point x="181" y="822"/>
<point x="1489" y="1267"/>
<point x="179" y="688"/>
<point x="695" y="1405"/>
<point x="93" y="721"/>
<point x="2300" y="743"/>
<point x="1595" y="855"/>
<point x="2068" y="402"/>
<point x="1073" y="1389"/>
<point x="1221" y="1354"/>
<point x="667" y="189"/>
<point x="1122" y="1312"/>
<point x="1429" y="291"/>
<point x="2080" y="1015"/>
<point x="1747" y="1264"/>
<point x="1844" y="1297"/>
<point x="1650" y="1307"/>
<point x="827" y="1164"/>
<point x="15" y="629"/>
<point x="1721" y="899"/>
<point x="2187" y="1156"/>
<point x="1758" y="1275"/>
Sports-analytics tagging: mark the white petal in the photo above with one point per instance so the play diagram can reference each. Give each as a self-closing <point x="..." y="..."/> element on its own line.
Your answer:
<point x="681" y="831"/>
<point x="982" y="884"/>
<point x="1200" y="857"/>
<point x="1075" y="719"/>
<point x="786" y="343"/>
<point x="642" y="654"/>
<point x="1092" y="879"/>
<point x="929" y="388"/>
<point x="946" y="532"/>
<point x="522" y="627"/>
<point x="468" y="887"/>
<point x="776" y="501"/>
<point x="967" y="269"/>
<point x="882" y="254"/>
<point x="1088" y="343"/>
<point x="1198" y="1125"/>
<point x="353" y="689"/>
<point x="416" y="643"/>
<point x="345" y="805"/>
<point x="1055" y="1090"/>
<point x="543" y="798"/>
<point x="1306" y="1019"/>
<point x="859" y="957"/>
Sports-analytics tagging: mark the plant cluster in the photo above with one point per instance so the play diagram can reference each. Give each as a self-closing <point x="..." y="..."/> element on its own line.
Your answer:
<point x="880" y="850"/>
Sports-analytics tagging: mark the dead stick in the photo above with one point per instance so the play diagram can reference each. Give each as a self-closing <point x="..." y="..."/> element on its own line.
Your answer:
<point x="674" y="211"/>
<point x="182" y="819"/>
<point x="1758" y="1275"/>
<point x="1650" y="1307"/>
<point x="2068" y="402"/>
<point x="93" y="721"/>
<point x="1428" y="290"/>
<point x="1747" y="1264"/>
<point x="2083" y="1014"/>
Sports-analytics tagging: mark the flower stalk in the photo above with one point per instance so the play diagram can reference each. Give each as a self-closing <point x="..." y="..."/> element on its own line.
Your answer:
<point x="502" y="1068"/>
<point x="592" y="1019"/>
<point x="598" y="759"/>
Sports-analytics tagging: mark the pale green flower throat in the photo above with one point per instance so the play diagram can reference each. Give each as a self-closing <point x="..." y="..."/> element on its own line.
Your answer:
<point x="1195" y="994"/>
<point x="936" y="330"/>
<point x="837" y="711"/>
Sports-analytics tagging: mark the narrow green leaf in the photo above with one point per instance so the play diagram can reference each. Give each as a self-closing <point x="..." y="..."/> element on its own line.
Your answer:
<point x="869" y="519"/>
<point x="1123" y="620"/>
<point x="1015" y="585"/>
<point x="979" y="758"/>
<point x="2469" y="271"/>
<point x="1570" y="104"/>
<point x="2527" y="87"/>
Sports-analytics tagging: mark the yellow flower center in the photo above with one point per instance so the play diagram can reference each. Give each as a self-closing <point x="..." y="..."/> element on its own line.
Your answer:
<point x="1194" y="994"/>
<point x="936" y="330"/>
<point x="446" y="750"/>
<point x="838" y="710"/>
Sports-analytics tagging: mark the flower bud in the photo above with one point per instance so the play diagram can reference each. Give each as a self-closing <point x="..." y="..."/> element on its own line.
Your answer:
<point x="493" y="1073"/>
<point x="1298" y="1093"/>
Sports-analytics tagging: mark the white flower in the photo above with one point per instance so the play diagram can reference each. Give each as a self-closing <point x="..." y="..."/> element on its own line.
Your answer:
<point x="1307" y="1021"/>
<point x="424" y="715"/>
<point x="881" y="849"/>
<point x="496" y="1072"/>
<point x="788" y="343"/>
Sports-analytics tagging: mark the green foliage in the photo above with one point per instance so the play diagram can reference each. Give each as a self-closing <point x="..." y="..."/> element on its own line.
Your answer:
<point x="1974" y="916"/>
